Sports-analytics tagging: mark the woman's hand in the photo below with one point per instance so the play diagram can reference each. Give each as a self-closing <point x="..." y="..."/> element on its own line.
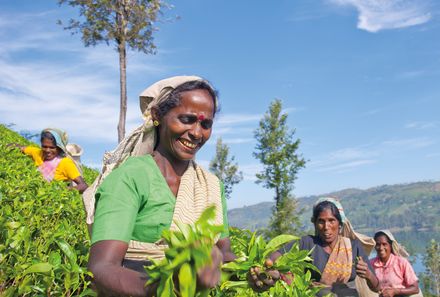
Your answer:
<point x="388" y="292"/>
<point x="15" y="145"/>
<point x="362" y="269"/>
<point x="261" y="280"/>
<point x="209" y="276"/>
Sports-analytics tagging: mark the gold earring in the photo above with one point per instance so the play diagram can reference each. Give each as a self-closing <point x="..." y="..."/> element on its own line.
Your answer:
<point x="156" y="123"/>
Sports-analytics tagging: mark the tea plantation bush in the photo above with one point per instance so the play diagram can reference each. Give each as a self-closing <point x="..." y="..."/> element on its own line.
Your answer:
<point x="43" y="238"/>
<point x="44" y="241"/>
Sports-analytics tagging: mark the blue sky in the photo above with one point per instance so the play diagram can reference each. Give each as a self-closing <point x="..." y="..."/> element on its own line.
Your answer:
<point x="358" y="78"/>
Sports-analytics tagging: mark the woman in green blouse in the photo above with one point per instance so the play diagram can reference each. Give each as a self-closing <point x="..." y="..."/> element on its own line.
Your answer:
<point x="157" y="183"/>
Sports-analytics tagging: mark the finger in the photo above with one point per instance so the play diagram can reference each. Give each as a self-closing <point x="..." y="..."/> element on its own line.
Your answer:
<point x="274" y="274"/>
<point x="269" y="282"/>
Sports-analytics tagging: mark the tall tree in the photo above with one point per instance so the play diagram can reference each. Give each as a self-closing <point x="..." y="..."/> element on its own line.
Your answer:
<point x="225" y="168"/>
<point x="277" y="150"/>
<point x="431" y="277"/>
<point x="127" y="23"/>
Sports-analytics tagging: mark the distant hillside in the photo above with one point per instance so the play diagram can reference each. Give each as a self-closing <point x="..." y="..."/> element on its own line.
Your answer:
<point x="403" y="207"/>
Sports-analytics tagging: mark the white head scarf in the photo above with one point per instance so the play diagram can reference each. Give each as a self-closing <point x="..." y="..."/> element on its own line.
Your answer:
<point x="398" y="249"/>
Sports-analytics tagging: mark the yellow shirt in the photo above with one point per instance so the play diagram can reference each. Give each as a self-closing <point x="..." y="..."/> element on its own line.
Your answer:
<point x="66" y="169"/>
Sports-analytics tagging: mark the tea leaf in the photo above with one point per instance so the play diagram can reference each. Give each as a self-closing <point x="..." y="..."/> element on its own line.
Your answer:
<point x="39" y="268"/>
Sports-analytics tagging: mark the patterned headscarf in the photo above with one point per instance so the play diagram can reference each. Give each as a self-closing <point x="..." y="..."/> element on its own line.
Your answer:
<point x="60" y="137"/>
<point x="336" y="203"/>
<point x="398" y="249"/>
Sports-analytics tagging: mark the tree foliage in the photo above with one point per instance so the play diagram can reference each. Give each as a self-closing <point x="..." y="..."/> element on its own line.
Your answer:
<point x="124" y="22"/>
<point x="431" y="278"/>
<point x="277" y="150"/>
<point x="225" y="168"/>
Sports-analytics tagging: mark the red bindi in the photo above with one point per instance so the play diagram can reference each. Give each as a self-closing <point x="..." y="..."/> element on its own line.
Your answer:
<point x="201" y="117"/>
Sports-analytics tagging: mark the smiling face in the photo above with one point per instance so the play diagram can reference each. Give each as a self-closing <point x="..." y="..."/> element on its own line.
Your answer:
<point x="49" y="149"/>
<point x="327" y="226"/>
<point x="383" y="248"/>
<point x="185" y="128"/>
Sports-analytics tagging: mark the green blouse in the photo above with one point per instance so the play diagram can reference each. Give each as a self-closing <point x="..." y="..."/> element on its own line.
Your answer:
<point x="135" y="203"/>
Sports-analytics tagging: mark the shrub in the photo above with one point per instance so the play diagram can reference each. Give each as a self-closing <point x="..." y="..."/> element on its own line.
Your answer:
<point x="43" y="238"/>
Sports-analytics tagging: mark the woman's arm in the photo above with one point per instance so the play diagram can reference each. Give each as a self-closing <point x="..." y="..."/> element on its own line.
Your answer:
<point x="81" y="185"/>
<point x="16" y="145"/>
<point x="391" y="292"/>
<point x="109" y="277"/>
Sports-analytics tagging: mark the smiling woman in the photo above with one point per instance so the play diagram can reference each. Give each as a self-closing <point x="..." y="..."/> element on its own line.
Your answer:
<point x="53" y="159"/>
<point x="156" y="183"/>
<point x="395" y="273"/>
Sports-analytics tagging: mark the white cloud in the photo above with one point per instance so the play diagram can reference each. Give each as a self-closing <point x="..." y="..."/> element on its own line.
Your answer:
<point x="344" y="159"/>
<point x="408" y="144"/>
<point x="421" y="125"/>
<point x="48" y="78"/>
<point x="250" y="170"/>
<point x="376" y="15"/>
<point x="350" y="158"/>
<point x="344" y="167"/>
<point x="35" y="96"/>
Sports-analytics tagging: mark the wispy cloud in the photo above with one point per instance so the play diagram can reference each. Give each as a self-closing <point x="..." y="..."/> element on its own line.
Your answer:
<point x="64" y="84"/>
<point x="250" y="170"/>
<point x="376" y="15"/>
<point x="351" y="158"/>
<point x="409" y="144"/>
<point x="421" y="125"/>
<point x="345" y="167"/>
<point x="37" y="96"/>
<point x="344" y="159"/>
<point x="410" y="74"/>
<point x="289" y="110"/>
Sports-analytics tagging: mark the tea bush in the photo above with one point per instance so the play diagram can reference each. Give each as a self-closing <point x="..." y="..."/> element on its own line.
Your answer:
<point x="43" y="238"/>
<point x="44" y="241"/>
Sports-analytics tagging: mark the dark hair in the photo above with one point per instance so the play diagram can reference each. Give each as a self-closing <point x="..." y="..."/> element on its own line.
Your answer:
<point x="173" y="99"/>
<point x="379" y="234"/>
<point x="323" y="206"/>
<point x="47" y="135"/>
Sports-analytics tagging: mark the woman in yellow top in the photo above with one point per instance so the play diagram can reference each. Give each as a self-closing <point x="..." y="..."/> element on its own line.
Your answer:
<point x="52" y="160"/>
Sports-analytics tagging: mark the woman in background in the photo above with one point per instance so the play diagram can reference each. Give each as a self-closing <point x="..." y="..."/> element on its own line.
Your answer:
<point x="396" y="276"/>
<point x="52" y="159"/>
<point x="337" y="252"/>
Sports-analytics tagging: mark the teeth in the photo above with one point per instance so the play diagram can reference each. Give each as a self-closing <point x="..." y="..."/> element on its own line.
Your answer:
<point x="188" y="144"/>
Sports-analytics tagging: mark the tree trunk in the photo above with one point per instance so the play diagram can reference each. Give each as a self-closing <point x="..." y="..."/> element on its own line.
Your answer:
<point x="277" y="198"/>
<point x="122" y="32"/>
<point x="123" y="89"/>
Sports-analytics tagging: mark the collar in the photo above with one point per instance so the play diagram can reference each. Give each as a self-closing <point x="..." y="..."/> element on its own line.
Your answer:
<point x="379" y="263"/>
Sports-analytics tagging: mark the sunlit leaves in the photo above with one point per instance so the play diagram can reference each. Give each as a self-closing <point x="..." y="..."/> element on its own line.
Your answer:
<point x="189" y="250"/>
<point x="43" y="236"/>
